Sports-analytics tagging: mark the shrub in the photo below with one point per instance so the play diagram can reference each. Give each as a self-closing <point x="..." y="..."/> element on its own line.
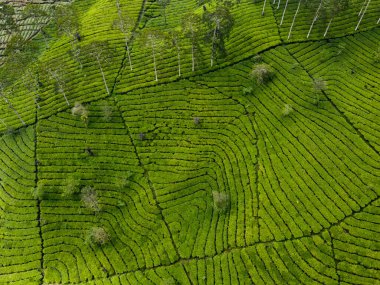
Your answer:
<point x="90" y="199"/>
<point x="107" y="111"/>
<point x="287" y="110"/>
<point x="142" y="136"/>
<point x="71" y="186"/>
<point x="221" y="200"/>
<point x="247" y="90"/>
<point x="82" y="111"/>
<point x="99" y="236"/>
<point x="262" y="73"/>
<point x="197" y="120"/>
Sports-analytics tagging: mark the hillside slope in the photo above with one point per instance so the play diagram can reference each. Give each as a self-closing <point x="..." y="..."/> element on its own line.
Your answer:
<point x="300" y="169"/>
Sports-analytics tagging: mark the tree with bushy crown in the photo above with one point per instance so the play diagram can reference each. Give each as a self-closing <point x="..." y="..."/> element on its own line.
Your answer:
<point x="125" y="24"/>
<point x="219" y="24"/>
<point x="7" y="18"/>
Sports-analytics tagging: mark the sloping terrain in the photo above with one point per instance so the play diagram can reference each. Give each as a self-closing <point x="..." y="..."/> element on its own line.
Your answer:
<point x="301" y="170"/>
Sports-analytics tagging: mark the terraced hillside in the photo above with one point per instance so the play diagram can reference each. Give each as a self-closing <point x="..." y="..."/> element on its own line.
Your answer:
<point x="203" y="178"/>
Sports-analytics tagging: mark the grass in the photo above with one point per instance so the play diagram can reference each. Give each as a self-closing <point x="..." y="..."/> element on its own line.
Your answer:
<point x="209" y="178"/>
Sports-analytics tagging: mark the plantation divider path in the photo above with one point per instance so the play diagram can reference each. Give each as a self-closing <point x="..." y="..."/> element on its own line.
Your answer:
<point x="301" y="170"/>
<point x="103" y="157"/>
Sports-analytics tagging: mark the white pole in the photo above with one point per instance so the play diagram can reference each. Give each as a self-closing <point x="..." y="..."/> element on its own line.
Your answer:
<point x="294" y="19"/>
<point x="361" y="18"/>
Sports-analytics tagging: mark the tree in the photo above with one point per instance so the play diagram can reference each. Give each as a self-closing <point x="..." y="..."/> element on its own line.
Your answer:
<point x="71" y="186"/>
<point x="319" y="86"/>
<point x="221" y="200"/>
<point x="37" y="15"/>
<point x="192" y="28"/>
<point x="262" y="73"/>
<point x="99" y="236"/>
<point x="153" y="39"/>
<point x="315" y="18"/>
<point x="32" y="83"/>
<point x="54" y="70"/>
<point x="361" y="14"/>
<point x="163" y="4"/>
<point x="294" y="19"/>
<point x="126" y="25"/>
<point x="219" y="23"/>
<point x="103" y="54"/>
<point x="90" y="199"/>
<point x="174" y="37"/>
<point x="7" y="16"/>
<point x="332" y="8"/>
<point x="67" y="21"/>
<point x="81" y="111"/>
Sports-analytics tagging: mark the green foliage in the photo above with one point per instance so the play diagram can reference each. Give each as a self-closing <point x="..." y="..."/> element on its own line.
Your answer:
<point x="262" y="73"/>
<point x="90" y="198"/>
<point x="71" y="186"/>
<point x="81" y="111"/>
<point x="221" y="200"/>
<point x="98" y="236"/>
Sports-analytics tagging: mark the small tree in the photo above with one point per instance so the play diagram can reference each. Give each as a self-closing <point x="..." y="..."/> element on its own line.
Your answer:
<point x="107" y="111"/>
<point x="221" y="200"/>
<point x="319" y="86"/>
<point x="71" y="186"/>
<point x="90" y="199"/>
<point x="81" y="111"/>
<point x="192" y="29"/>
<point x="331" y="8"/>
<point x="99" y="236"/>
<point x="262" y="73"/>
<point x="287" y="110"/>
<point x="219" y="25"/>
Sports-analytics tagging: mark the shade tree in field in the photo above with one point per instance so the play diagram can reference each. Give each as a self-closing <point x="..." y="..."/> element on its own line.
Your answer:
<point x="163" y="4"/>
<point x="67" y="21"/>
<point x="38" y="16"/>
<point x="262" y="73"/>
<point x="99" y="236"/>
<point x="81" y="111"/>
<point x="331" y="9"/>
<point x="56" y="71"/>
<point x="126" y="25"/>
<point x="219" y="23"/>
<point x="192" y="30"/>
<point x="7" y="18"/>
<point x="173" y="38"/>
<point x="103" y="54"/>
<point x="153" y="39"/>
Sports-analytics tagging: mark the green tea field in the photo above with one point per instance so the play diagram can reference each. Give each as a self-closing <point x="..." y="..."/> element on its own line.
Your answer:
<point x="159" y="142"/>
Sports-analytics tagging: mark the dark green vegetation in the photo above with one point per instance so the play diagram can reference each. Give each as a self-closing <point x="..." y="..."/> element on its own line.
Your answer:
<point x="134" y="153"/>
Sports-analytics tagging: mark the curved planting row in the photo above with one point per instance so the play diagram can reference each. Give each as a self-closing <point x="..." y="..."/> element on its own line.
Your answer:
<point x="250" y="34"/>
<point x="308" y="24"/>
<point x="351" y="72"/>
<point x="20" y="243"/>
<point x="76" y="78"/>
<point x="313" y="168"/>
<point x="356" y="246"/>
<point x="199" y="149"/>
<point x="91" y="179"/>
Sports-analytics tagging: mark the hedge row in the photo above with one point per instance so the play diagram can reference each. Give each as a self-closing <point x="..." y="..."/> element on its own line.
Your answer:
<point x="20" y="242"/>
<point x="101" y="156"/>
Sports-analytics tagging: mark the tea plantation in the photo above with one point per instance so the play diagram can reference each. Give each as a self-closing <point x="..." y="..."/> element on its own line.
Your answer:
<point x="146" y="164"/>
